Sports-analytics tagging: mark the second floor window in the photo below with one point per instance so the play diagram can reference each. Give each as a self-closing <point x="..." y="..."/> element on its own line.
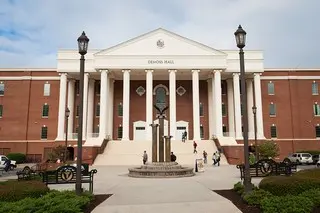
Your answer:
<point x="316" y="109"/>
<point x="272" y="109"/>
<point x="1" y="110"/>
<point x="98" y="110"/>
<point x="44" y="132"/>
<point x="201" y="109"/>
<point x="315" y="88"/>
<point x="270" y="88"/>
<point x="224" y="112"/>
<point x="1" y="88"/>
<point x="120" y="109"/>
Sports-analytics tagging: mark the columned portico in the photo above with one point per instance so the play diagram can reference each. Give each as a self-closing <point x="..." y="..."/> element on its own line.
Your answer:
<point x="90" y="108"/>
<point x="196" y="102"/>
<point x="71" y="94"/>
<point x="126" y="105"/>
<point x="249" y="106"/>
<point x="62" y="106"/>
<point x="104" y="84"/>
<point x="258" y="101"/>
<point x="149" y="103"/>
<point x="230" y="107"/>
<point x="85" y="105"/>
<point x="237" y="104"/>
<point x="172" y="109"/>
<point x="218" y="107"/>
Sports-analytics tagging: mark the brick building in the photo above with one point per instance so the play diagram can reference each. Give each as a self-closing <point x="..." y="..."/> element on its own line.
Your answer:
<point x="200" y="84"/>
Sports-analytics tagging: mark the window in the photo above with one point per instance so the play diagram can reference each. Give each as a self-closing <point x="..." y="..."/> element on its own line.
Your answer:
<point x="140" y="128"/>
<point x="120" y="109"/>
<point x="1" y="88"/>
<point x="78" y="110"/>
<point x="223" y="88"/>
<point x="316" y="109"/>
<point x="97" y="88"/>
<point x="44" y="132"/>
<point x="223" y="107"/>
<point x="201" y="109"/>
<point x="96" y="130"/>
<point x="270" y="88"/>
<point x="1" y="110"/>
<point x="161" y="97"/>
<point x="272" y="109"/>
<point x="120" y="132"/>
<point x="317" y="128"/>
<point x="241" y="110"/>
<point x="98" y="110"/>
<point x="45" y="110"/>
<point x="201" y="132"/>
<point x="224" y="130"/>
<point x="77" y="86"/>
<point x="315" y="88"/>
<point x="46" y="89"/>
<point x="273" y="131"/>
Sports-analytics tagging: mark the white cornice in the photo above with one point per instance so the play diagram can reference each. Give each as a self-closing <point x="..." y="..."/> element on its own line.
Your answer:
<point x="290" y="77"/>
<point x="292" y="69"/>
<point x="34" y="78"/>
<point x="28" y="69"/>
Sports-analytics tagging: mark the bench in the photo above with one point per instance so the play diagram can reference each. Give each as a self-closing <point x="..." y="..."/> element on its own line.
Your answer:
<point x="26" y="173"/>
<point x="267" y="167"/>
<point x="67" y="175"/>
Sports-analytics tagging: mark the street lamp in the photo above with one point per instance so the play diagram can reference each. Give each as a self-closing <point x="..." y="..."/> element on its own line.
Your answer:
<point x="254" y="111"/>
<point x="83" y="47"/>
<point x="66" y="142"/>
<point x="240" y="36"/>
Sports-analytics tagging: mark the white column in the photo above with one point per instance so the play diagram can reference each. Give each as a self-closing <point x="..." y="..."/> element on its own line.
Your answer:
<point x="110" y="110"/>
<point x="249" y="106"/>
<point x="149" y="103"/>
<point x="196" y="102"/>
<point x="103" y="103"/>
<point x="237" y="105"/>
<point x="258" y="99"/>
<point x="213" y="108"/>
<point x="62" y="106"/>
<point x="210" y="107"/>
<point x="126" y="105"/>
<point x="218" y="107"/>
<point x="230" y="108"/>
<point x="71" y="94"/>
<point x="90" y="108"/>
<point x="85" y="105"/>
<point x="173" y="109"/>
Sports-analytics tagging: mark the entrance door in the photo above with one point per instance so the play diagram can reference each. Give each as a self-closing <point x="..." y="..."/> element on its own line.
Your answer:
<point x="139" y="130"/>
<point x="182" y="126"/>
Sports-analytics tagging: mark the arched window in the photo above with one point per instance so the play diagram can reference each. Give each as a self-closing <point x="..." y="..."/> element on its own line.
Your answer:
<point x="161" y="97"/>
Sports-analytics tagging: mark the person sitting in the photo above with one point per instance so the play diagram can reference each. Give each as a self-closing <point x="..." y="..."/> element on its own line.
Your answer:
<point x="173" y="157"/>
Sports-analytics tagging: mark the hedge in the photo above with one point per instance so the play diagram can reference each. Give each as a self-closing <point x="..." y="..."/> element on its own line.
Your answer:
<point x="256" y="196"/>
<point x="52" y="202"/>
<point x="14" y="190"/>
<point x="18" y="157"/>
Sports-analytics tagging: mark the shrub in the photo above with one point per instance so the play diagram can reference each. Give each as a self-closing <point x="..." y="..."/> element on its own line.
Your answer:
<point x="18" y="157"/>
<point x="256" y="196"/>
<point x="312" y="152"/>
<point x="313" y="195"/>
<point x="53" y="202"/>
<point x="286" y="204"/>
<point x="268" y="149"/>
<point x="16" y="190"/>
<point x="292" y="185"/>
<point x="238" y="187"/>
<point x="309" y="173"/>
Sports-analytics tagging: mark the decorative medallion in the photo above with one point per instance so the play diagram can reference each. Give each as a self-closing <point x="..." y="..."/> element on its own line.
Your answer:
<point x="180" y="91"/>
<point x="160" y="43"/>
<point x="140" y="90"/>
<point x="67" y="174"/>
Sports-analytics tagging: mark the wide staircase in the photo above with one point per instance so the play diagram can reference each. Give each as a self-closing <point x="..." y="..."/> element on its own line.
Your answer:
<point x="130" y="152"/>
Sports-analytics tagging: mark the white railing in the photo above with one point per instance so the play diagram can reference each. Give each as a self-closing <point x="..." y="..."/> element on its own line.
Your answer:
<point x="93" y="135"/>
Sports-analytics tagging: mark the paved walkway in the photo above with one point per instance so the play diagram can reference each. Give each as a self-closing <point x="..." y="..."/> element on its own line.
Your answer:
<point x="140" y="195"/>
<point x="136" y="195"/>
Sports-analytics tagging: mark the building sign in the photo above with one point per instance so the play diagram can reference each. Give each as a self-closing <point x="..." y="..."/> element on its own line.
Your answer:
<point x="160" y="61"/>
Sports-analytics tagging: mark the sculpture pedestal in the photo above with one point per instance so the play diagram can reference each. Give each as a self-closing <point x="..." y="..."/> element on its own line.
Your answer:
<point x="161" y="170"/>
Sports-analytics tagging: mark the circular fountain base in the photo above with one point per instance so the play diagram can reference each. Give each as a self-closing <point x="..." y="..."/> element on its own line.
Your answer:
<point x="161" y="170"/>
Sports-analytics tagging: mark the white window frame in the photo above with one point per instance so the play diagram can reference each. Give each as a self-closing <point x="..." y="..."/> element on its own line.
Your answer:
<point x="46" y="89"/>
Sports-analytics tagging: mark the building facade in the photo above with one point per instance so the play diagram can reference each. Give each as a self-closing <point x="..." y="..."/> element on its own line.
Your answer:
<point x="200" y="85"/>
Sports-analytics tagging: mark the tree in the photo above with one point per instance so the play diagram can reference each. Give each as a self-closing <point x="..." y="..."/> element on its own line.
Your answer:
<point x="268" y="149"/>
<point x="56" y="153"/>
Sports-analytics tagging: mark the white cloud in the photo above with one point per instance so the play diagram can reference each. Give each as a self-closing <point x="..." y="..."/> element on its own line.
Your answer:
<point x="283" y="29"/>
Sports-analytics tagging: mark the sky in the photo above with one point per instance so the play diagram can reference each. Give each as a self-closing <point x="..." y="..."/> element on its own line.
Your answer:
<point x="32" y="31"/>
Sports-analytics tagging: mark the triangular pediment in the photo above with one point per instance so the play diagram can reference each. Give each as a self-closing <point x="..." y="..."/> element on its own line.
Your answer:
<point x="160" y="42"/>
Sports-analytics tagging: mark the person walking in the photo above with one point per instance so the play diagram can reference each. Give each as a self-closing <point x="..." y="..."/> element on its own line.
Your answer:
<point x="145" y="157"/>
<point x="195" y="147"/>
<point x="205" y="155"/>
<point x="218" y="155"/>
<point x="214" y="158"/>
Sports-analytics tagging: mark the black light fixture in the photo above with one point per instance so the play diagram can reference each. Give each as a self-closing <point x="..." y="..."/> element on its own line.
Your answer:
<point x="83" y="41"/>
<point x="240" y="35"/>
<point x="67" y="112"/>
<point x="66" y="141"/>
<point x="254" y="110"/>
